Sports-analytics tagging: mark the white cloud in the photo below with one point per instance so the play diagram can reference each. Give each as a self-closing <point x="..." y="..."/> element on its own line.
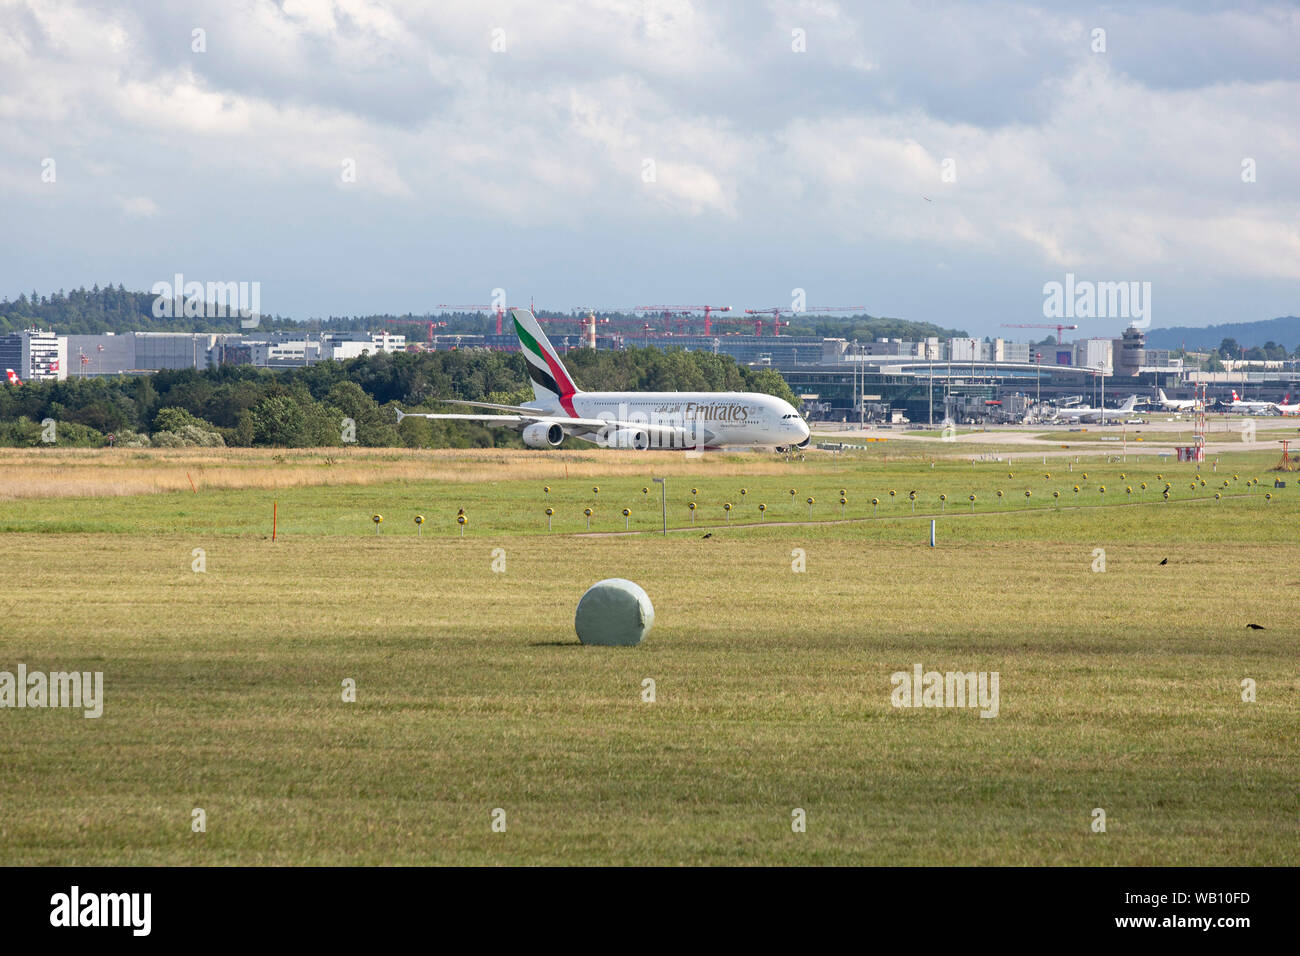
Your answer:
<point x="1064" y="158"/>
<point x="138" y="207"/>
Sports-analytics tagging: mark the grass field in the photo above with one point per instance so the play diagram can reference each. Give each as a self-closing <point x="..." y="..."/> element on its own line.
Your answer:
<point x="1119" y="690"/>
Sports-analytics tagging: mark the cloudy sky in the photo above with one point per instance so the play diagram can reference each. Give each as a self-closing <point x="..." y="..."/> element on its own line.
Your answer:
<point x="935" y="161"/>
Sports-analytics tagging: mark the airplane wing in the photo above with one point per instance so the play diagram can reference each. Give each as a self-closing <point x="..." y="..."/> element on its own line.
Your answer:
<point x="571" y="426"/>
<point x="512" y="421"/>
<point x="516" y="421"/>
<point x="518" y="409"/>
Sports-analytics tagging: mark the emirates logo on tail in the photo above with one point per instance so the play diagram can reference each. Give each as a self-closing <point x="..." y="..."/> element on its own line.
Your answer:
<point x="549" y="377"/>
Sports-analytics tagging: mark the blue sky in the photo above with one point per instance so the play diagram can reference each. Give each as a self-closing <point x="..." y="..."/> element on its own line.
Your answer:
<point x="933" y="161"/>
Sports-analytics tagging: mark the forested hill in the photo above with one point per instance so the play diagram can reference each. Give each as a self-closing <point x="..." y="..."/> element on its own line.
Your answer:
<point x="305" y="407"/>
<point x="110" y="309"/>
<point x="867" y="328"/>
<point x="114" y="309"/>
<point x="1284" y="330"/>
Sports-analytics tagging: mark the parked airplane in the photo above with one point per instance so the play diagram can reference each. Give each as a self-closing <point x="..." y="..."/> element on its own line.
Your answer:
<point x="702" y="420"/>
<point x="1085" y="413"/>
<point x="1284" y="409"/>
<point x="1176" y="404"/>
<point x="1238" y="405"/>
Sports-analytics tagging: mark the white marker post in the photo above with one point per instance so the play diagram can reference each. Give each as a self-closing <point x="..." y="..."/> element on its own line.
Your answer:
<point x="663" y="500"/>
<point x="932" y="532"/>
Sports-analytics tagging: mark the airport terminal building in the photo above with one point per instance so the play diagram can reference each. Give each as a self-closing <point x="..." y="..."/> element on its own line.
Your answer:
<point x="134" y="353"/>
<point x="888" y="379"/>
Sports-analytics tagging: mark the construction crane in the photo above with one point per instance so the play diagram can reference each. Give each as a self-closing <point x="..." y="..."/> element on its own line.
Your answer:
<point x="820" y="310"/>
<point x="668" y="310"/>
<point x="414" y="321"/>
<point x="670" y="316"/>
<point x="500" y="310"/>
<point x="756" y="322"/>
<point x="587" y="320"/>
<point x="1040" y="325"/>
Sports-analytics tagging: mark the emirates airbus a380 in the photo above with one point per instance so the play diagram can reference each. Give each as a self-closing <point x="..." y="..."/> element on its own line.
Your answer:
<point x="640" y="420"/>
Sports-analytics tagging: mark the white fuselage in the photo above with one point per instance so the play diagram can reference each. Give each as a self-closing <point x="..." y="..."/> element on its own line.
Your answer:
<point x="1176" y="404"/>
<point x="703" y="419"/>
<point x="1086" y="413"/>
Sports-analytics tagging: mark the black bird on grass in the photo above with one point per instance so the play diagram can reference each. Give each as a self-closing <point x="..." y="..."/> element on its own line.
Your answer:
<point x="1164" y="561"/>
<point x="1256" y="627"/>
<point x="709" y="535"/>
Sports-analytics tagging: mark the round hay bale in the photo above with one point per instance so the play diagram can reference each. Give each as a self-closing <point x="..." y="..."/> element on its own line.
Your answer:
<point x="614" y="613"/>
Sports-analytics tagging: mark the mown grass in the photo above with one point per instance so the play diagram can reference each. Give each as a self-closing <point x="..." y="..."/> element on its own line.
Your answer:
<point x="507" y="494"/>
<point x="1120" y="690"/>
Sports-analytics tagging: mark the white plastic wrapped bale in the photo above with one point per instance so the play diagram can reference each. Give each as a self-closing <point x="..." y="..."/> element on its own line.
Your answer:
<point x="614" y="612"/>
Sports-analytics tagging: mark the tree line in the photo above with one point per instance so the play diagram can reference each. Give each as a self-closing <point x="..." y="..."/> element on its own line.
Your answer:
<point x="114" y="309"/>
<point x="334" y="403"/>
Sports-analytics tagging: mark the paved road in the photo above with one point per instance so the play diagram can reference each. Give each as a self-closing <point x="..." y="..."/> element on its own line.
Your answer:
<point x="1219" y="440"/>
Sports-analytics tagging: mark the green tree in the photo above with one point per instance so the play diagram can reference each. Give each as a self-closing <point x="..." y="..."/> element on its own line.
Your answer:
<point x="374" y="428"/>
<point x="279" y="422"/>
<point x="173" y="419"/>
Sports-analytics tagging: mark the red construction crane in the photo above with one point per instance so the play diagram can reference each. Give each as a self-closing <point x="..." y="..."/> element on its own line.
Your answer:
<point x="819" y="310"/>
<point x="587" y="321"/>
<point x="668" y="310"/>
<point x="425" y="322"/>
<point x="668" y="315"/>
<point x="500" y="310"/>
<point x="755" y="322"/>
<point x="1040" y="325"/>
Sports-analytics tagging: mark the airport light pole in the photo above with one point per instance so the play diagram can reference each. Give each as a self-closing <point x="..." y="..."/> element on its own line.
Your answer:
<point x="1101" y="374"/>
<point x="857" y="386"/>
<point x="663" y="500"/>
<point x="862" y="386"/>
<point x="853" y="353"/>
<point x="1038" y="384"/>
<point x="858" y="383"/>
<point x="931" y="383"/>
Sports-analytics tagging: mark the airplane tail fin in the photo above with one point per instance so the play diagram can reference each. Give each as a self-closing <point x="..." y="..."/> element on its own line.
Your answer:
<point x="1161" y="393"/>
<point x="1129" y="404"/>
<point x="1235" y="396"/>
<point x="551" y="381"/>
<point x="12" y="377"/>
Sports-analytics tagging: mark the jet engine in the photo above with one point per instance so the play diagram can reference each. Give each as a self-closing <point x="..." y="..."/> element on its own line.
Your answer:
<point x="628" y="438"/>
<point x="543" y="435"/>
